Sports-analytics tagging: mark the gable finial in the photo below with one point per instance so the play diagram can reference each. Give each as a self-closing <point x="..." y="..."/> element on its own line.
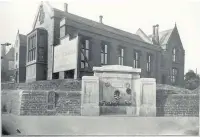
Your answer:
<point x="175" y="24"/>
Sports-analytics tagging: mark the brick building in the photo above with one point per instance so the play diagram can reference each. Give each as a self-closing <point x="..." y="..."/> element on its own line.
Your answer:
<point x="7" y="64"/>
<point x="63" y="45"/>
<point x="20" y="57"/>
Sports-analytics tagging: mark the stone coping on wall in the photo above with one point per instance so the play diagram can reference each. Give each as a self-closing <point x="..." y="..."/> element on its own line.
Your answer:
<point x="63" y="85"/>
<point x="116" y="68"/>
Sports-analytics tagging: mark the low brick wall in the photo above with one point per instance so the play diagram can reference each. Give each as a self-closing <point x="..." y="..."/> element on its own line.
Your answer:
<point x="36" y="103"/>
<point x="177" y="104"/>
<point x="32" y="98"/>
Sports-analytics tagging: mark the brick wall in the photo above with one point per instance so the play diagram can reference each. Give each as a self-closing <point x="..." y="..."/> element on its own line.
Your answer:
<point x="177" y="104"/>
<point x="32" y="98"/>
<point x="36" y="103"/>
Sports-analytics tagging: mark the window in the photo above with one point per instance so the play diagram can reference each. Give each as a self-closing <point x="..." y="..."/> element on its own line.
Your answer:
<point x="149" y="62"/>
<point x="174" y="55"/>
<point x="16" y="56"/>
<point x="55" y="75"/>
<point x="121" y="56"/>
<point x="104" y="54"/>
<point x="32" y="48"/>
<point x="136" y="59"/>
<point x="62" y="31"/>
<point x="174" y="75"/>
<point x="69" y="74"/>
<point x="85" y="48"/>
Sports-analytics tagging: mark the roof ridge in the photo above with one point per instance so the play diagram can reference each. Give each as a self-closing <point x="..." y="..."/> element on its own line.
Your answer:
<point x="104" y="25"/>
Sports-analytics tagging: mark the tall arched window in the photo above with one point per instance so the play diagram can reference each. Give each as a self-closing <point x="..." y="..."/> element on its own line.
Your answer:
<point x="174" y="54"/>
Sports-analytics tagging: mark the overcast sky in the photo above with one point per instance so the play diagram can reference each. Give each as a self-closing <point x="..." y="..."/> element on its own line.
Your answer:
<point x="128" y="15"/>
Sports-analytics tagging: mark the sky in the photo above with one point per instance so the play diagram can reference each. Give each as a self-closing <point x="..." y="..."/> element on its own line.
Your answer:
<point x="128" y="15"/>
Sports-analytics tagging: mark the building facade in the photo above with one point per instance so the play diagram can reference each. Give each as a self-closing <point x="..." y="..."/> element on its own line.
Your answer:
<point x="72" y="45"/>
<point x="20" y="58"/>
<point x="7" y="64"/>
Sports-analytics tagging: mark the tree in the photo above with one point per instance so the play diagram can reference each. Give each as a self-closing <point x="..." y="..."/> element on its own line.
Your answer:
<point x="192" y="80"/>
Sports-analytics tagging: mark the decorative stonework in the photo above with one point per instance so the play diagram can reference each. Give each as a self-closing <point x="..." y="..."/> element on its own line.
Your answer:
<point x="41" y="15"/>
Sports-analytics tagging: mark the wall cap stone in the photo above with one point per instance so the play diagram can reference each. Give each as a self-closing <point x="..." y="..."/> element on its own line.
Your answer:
<point x="116" y="68"/>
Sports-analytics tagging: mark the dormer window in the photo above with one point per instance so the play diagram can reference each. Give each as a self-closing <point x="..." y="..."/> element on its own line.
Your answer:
<point x="174" y="55"/>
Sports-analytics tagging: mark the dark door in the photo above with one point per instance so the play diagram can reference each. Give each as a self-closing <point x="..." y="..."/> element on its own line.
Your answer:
<point x="163" y="79"/>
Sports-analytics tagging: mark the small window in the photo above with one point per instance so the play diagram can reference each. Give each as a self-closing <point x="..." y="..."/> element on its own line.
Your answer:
<point x="104" y="54"/>
<point x="174" y="75"/>
<point x="136" y="59"/>
<point x="174" y="55"/>
<point x="149" y="62"/>
<point x="121" y="56"/>
<point x="62" y="31"/>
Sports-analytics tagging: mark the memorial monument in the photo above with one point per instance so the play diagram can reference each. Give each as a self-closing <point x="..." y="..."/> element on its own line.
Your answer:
<point x="118" y="90"/>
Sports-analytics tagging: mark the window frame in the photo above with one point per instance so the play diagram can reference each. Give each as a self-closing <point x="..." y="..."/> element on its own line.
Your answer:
<point x="174" y="54"/>
<point x="120" y="55"/>
<point x="85" y="53"/>
<point x="63" y="28"/>
<point x="32" y="44"/>
<point x="104" y="53"/>
<point x="149" y="62"/>
<point x="174" y="75"/>
<point x="136" y="59"/>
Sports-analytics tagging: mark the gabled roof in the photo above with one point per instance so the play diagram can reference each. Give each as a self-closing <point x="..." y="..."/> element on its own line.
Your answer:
<point x="49" y="10"/>
<point x="164" y="36"/>
<point x="10" y="54"/>
<point x="143" y="36"/>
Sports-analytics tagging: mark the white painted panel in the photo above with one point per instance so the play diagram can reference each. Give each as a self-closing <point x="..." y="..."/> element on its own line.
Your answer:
<point x="65" y="55"/>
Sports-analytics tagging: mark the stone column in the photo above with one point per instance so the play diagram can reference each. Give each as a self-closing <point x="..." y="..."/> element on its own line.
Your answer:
<point x="148" y="97"/>
<point x="136" y="89"/>
<point x="90" y="96"/>
<point x="61" y="75"/>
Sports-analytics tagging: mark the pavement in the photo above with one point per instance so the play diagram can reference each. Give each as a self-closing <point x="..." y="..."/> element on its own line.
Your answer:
<point x="100" y="125"/>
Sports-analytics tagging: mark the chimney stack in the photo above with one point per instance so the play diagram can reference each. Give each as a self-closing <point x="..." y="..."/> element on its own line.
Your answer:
<point x="100" y="19"/>
<point x="157" y="34"/>
<point x="154" y="30"/>
<point x="65" y="7"/>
